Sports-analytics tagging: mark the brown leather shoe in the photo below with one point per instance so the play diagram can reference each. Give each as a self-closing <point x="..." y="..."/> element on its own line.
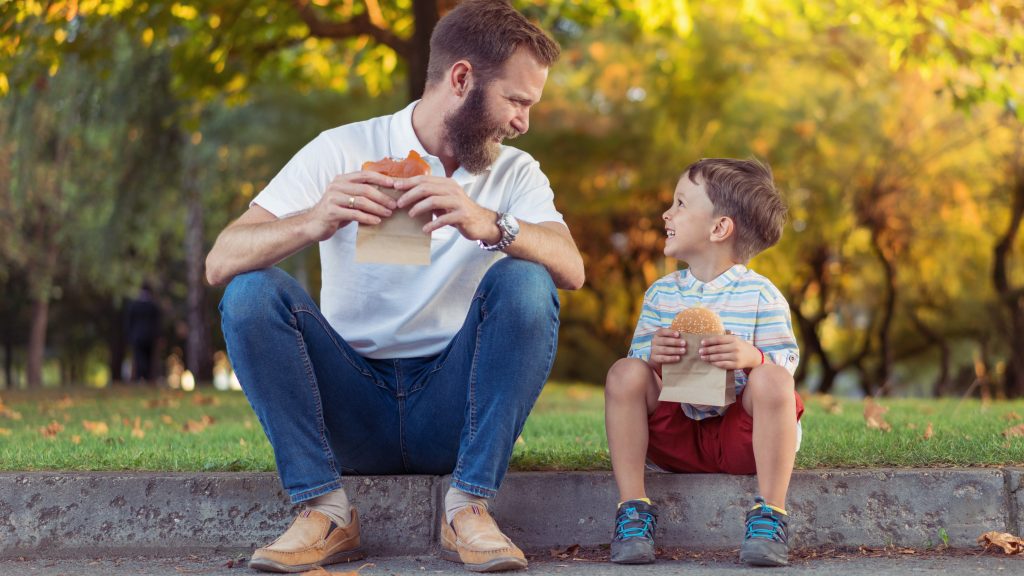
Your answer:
<point x="312" y="540"/>
<point x="474" y="539"/>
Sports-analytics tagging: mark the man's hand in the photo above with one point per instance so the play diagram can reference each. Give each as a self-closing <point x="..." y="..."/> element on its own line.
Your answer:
<point x="667" y="347"/>
<point x="351" y="197"/>
<point x="729" y="352"/>
<point x="445" y="199"/>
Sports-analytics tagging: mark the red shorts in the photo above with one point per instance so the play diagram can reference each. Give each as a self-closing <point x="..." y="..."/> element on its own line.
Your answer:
<point x="722" y="444"/>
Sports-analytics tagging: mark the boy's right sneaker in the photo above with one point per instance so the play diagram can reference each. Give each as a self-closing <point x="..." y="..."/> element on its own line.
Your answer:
<point x="633" y="541"/>
<point x="766" y="542"/>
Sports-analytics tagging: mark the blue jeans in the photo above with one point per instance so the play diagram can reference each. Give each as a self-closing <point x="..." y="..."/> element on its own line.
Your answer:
<point x="328" y="411"/>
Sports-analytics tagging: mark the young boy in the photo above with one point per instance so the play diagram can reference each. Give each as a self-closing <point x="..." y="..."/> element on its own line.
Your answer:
<point x="723" y="213"/>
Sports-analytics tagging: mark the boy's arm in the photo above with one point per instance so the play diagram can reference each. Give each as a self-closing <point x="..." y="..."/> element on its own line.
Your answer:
<point x="773" y="334"/>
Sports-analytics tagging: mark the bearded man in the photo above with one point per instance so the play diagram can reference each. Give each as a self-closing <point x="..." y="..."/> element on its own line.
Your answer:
<point x="406" y="369"/>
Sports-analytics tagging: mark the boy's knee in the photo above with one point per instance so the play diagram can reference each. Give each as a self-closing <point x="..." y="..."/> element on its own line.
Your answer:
<point x="627" y="377"/>
<point x="771" y="384"/>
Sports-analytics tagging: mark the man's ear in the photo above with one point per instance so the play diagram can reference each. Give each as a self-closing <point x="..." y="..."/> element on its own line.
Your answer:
<point x="460" y="78"/>
<point x="723" y="229"/>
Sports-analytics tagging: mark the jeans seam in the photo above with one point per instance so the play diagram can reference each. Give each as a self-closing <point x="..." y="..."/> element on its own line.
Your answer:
<point x="487" y="492"/>
<point x="330" y="334"/>
<point x="311" y="493"/>
<point x="471" y="399"/>
<point x="311" y="380"/>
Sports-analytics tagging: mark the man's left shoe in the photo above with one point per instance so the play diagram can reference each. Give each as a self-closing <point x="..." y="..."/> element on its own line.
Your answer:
<point x="766" y="542"/>
<point x="473" y="538"/>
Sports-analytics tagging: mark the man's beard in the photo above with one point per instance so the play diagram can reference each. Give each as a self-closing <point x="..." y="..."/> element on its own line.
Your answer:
<point x="471" y="132"/>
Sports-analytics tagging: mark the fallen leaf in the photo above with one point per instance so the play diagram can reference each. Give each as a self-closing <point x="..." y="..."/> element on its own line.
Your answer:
<point x="161" y="403"/>
<point x="5" y="431"/>
<point x="1008" y="542"/>
<point x="1011" y="416"/>
<point x="520" y="441"/>
<point x="97" y="428"/>
<point x="166" y="419"/>
<point x="6" y="412"/>
<point x="63" y="403"/>
<point x="874" y="416"/>
<point x="1014" y="431"/>
<point x="241" y="442"/>
<point x="76" y="439"/>
<point x="911" y="426"/>
<point x="196" y="426"/>
<point x="52" y="429"/>
<point x="928" y="432"/>
<point x="569" y="552"/>
<point x="200" y="400"/>
<point x="830" y="404"/>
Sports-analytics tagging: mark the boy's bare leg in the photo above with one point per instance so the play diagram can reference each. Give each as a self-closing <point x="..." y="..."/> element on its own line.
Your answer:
<point x="768" y="398"/>
<point x="631" y="395"/>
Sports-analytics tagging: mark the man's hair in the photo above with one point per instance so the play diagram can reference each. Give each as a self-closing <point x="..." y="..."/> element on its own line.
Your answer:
<point x="486" y="33"/>
<point x="744" y="191"/>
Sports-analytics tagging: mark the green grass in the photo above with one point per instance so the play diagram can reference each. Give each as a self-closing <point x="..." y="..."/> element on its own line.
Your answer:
<point x="217" y="431"/>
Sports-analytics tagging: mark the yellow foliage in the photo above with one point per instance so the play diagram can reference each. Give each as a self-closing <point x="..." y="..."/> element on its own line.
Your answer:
<point x="184" y="11"/>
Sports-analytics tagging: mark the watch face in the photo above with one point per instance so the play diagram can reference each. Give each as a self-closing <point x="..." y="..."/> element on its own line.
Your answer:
<point x="510" y="223"/>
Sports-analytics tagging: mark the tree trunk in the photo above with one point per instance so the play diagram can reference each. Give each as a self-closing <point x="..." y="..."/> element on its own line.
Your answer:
<point x="8" y="364"/>
<point x="37" y="340"/>
<point x="425" y="14"/>
<point x="115" y="342"/>
<point x="884" y="368"/>
<point x="198" y="359"/>
<point x="1010" y="297"/>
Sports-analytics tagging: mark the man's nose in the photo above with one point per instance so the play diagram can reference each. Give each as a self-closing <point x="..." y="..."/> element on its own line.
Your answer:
<point x="521" y="123"/>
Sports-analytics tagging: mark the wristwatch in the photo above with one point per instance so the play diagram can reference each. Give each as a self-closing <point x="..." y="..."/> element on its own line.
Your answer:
<point x="509" y="227"/>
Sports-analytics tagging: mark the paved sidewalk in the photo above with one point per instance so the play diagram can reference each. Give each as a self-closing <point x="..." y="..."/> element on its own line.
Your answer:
<point x="80" y="515"/>
<point x="982" y="565"/>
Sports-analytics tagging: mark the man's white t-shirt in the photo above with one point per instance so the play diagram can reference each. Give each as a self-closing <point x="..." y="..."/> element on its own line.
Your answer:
<point x="391" y="311"/>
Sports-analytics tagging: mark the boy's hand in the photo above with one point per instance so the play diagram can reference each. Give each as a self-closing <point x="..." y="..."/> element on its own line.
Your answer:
<point x="667" y="347"/>
<point x="729" y="352"/>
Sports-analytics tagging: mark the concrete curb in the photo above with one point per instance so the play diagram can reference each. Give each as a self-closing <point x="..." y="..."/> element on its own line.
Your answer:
<point x="53" y="514"/>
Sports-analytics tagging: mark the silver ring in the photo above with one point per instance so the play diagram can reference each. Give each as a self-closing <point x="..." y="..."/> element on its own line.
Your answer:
<point x="351" y="201"/>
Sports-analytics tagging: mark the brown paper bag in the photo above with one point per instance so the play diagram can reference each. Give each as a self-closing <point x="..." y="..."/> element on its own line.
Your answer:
<point x="398" y="239"/>
<point x="694" y="381"/>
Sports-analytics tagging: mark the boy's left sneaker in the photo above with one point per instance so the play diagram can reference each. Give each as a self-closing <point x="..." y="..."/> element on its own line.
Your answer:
<point x="766" y="542"/>
<point x="636" y="521"/>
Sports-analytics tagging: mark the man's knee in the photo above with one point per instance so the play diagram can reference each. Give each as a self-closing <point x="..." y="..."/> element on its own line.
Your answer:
<point x="255" y="293"/>
<point x="525" y="287"/>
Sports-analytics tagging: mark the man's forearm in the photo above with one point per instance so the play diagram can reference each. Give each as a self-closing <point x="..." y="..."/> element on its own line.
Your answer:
<point x="555" y="250"/>
<point x="243" y="247"/>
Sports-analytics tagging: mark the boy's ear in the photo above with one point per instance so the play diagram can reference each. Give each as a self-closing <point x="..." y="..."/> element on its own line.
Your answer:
<point x="723" y="229"/>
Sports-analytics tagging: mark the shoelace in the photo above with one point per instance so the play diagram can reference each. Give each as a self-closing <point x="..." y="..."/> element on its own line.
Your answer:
<point x="641" y="524"/>
<point x="765" y="525"/>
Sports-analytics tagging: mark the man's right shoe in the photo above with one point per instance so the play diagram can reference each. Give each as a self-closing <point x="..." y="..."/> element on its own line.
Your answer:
<point x="474" y="539"/>
<point x="635" y="524"/>
<point x="312" y="540"/>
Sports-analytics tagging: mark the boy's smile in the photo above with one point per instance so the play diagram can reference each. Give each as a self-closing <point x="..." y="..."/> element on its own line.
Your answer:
<point x="690" y="220"/>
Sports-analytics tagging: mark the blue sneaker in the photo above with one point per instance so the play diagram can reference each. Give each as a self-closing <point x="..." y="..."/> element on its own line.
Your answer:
<point x="633" y="542"/>
<point x="766" y="542"/>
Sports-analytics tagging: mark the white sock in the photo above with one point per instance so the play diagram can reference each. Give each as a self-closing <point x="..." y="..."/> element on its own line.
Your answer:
<point x="334" y="505"/>
<point x="455" y="500"/>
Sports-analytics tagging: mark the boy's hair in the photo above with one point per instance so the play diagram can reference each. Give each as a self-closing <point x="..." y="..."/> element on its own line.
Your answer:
<point x="486" y="33"/>
<point x="744" y="191"/>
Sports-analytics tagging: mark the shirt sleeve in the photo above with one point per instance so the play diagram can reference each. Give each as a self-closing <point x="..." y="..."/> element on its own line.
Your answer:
<point x="646" y="326"/>
<point x="302" y="181"/>
<point x="534" y="200"/>
<point x="773" y="331"/>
